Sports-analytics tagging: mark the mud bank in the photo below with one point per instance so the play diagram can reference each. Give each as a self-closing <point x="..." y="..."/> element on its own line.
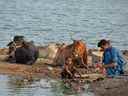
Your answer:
<point x="44" y="68"/>
<point x="30" y="72"/>
<point x="111" y="87"/>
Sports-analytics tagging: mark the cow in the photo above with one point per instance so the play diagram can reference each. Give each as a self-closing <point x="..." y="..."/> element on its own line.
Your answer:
<point x="26" y="54"/>
<point x="77" y="50"/>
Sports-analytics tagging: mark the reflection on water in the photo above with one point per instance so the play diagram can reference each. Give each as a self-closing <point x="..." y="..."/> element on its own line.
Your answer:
<point x="72" y="89"/>
<point x="17" y="86"/>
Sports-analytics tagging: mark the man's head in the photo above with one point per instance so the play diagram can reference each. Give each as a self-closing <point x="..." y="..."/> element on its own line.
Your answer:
<point x="104" y="44"/>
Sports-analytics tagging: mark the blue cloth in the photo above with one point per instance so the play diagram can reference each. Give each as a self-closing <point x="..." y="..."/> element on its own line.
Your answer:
<point x="113" y="55"/>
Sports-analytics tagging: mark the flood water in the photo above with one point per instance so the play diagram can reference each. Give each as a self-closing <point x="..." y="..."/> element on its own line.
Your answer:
<point x="45" y="21"/>
<point x="17" y="86"/>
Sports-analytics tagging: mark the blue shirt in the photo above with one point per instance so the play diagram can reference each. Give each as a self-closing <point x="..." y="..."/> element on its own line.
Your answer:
<point x="113" y="55"/>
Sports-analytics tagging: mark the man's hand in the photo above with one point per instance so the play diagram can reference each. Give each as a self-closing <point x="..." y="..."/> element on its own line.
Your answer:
<point x="112" y="65"/>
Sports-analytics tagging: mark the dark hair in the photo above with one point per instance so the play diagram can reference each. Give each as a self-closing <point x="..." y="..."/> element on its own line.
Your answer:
<point x="103" y="42"/>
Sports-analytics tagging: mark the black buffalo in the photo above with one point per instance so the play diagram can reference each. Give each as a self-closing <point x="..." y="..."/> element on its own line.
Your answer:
<point x="26" y="54"/>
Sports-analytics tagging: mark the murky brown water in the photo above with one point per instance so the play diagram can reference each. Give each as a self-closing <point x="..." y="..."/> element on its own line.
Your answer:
<point x="17" y="86"/>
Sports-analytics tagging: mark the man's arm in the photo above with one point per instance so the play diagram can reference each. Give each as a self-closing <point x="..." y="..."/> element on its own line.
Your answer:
<point x="67" y="69"/>
<point x="112" y="65"/>
<point x="114" y="59"/>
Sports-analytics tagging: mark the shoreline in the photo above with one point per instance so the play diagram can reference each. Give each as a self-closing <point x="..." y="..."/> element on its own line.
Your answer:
<point x="43" y="65"/>
<point x="44" y="68"/>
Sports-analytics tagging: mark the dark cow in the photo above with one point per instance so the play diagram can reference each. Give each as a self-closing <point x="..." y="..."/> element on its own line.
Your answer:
<point x="21" y="51"/>
<point x="26" y="54"/>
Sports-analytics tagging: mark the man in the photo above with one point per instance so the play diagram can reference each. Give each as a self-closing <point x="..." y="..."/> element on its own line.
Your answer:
<point x="113" y="60"/>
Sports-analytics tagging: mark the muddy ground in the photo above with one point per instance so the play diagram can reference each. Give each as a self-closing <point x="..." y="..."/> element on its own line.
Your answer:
<point x="42" y="69"/>
<point x="117" y="86"/>
<point x="111" y="87"/>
